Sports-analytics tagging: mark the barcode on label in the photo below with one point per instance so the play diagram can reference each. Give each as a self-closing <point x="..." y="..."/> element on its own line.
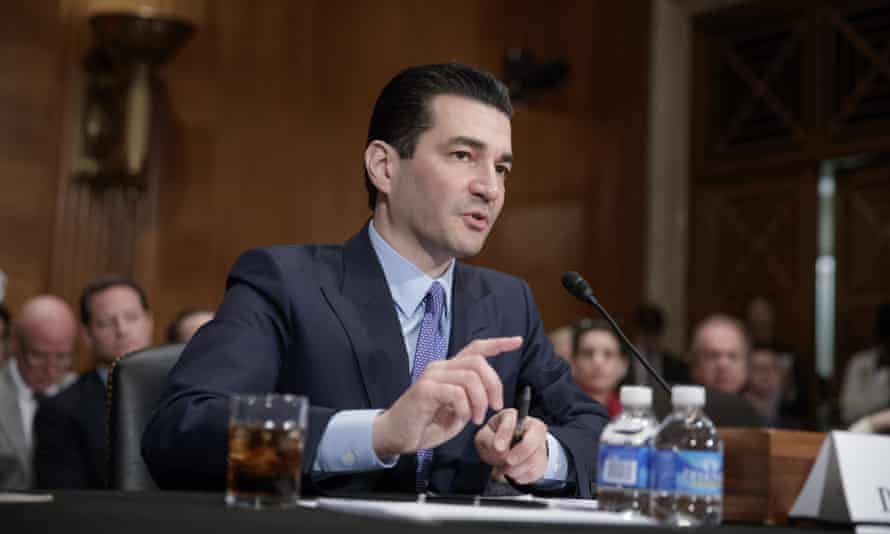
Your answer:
<point x="619" y="471"/>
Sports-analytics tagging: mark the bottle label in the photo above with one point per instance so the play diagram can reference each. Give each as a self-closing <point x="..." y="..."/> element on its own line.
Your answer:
<point x="690" y="472"/>
<point x="627" y="467"/>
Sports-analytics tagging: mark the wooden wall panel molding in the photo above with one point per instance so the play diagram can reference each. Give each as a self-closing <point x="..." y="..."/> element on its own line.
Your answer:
<point x="265" y="122"/>
<point x="32" y="40"/>
<point x="863" y="257"/>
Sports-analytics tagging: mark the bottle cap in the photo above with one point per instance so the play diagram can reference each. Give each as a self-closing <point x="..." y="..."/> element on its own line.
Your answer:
<point x="688" y="396"/>
<point x="637" y="396"/>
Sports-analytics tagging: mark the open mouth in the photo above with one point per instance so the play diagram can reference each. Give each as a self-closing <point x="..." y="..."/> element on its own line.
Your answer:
<point x="476" y="220"/>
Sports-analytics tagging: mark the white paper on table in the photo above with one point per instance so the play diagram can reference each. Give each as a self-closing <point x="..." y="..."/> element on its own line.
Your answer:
<point x="426" y="512"/>
<point x="12" y="497"/>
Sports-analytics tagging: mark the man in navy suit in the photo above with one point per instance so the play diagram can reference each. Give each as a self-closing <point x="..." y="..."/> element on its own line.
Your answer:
<point x="344" y="324"/>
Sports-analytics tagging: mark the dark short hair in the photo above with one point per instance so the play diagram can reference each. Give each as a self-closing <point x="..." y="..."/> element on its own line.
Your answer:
<point x="173" y="328"/>
<point x="6" y="318"/>
<point x="402" y="113"/>
<point x="101" y="284"/>
<point x="650" y="319"/>
<point x="588" y="324"/>
<point x="882" y="323"/>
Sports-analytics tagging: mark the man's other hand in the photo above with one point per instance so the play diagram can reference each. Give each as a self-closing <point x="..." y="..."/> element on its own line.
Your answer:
<point x="448" y="395"/>
<point x="525" y="462"/>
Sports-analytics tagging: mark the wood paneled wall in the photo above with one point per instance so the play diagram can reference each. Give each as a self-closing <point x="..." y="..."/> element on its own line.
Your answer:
<point x="265" y="113"/>
<point x="31" y="66"/>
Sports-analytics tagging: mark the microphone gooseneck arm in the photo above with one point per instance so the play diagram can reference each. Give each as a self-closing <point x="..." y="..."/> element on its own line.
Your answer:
<point x="577" y="286"/>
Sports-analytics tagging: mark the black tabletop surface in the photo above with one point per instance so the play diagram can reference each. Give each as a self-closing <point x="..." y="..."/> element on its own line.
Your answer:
<point x="96" y="512"/>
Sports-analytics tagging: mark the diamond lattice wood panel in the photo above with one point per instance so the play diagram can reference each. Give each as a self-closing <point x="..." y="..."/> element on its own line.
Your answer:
<point x="756" y="237"/>
<point x="860" y="66"/>
<point x="750" y="73"/>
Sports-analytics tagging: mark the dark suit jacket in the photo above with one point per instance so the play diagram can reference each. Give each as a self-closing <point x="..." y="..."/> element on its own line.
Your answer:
<point x="320" y="321"/>
<point x="70" y="437"/>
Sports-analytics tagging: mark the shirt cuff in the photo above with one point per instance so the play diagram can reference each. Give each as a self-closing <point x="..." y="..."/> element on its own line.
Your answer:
<point x="559" y="467"/>
<point x="347" y="447"/>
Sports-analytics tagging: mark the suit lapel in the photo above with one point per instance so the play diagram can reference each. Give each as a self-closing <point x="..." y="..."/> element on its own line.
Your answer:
<point x="11" y="417"/>
<point x="366" y="310"/>
<point x="472" y="309"/>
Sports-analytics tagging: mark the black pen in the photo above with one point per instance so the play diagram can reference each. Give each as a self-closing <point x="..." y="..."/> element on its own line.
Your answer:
<point x="525" y="399"/>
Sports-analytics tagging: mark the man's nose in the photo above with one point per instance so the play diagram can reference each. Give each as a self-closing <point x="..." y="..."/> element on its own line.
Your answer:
<point x="487" y="184"/>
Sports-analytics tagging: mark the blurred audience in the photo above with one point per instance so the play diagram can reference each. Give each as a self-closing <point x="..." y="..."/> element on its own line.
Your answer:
<point x="70" y="430"/>
<point x="718" y="358"/>
<point x="760" y="317"/>
<point x="5" y="328"/>
<point x="764" y="388"/>
<point x="41" y="346"/>
<point x="599" y="362"/>
<point x="562" y="342"/>
<point x="649" y="325"/>
<point x="186" y="323"/>
<point x="719" y="354"/>
<point x="866" y="388"/>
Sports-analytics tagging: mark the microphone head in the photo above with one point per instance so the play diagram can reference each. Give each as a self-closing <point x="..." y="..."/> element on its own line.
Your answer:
<point x="577" y="285"/>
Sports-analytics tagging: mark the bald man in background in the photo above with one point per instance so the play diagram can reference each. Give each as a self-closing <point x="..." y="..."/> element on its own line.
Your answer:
<point x="719" y="354"/>
<point x="41" y="345"/>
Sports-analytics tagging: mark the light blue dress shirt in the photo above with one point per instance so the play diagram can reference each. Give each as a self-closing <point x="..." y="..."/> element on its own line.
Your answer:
<point x="346" y="444"/>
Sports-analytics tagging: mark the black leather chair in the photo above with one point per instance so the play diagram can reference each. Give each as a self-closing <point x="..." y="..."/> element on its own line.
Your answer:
<point x="134" y="389"/>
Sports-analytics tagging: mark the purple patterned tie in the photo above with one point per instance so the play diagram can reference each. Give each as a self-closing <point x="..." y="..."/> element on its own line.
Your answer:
<point x="432" y="344"/>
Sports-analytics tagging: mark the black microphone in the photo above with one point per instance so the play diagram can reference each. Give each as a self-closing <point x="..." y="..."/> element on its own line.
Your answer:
<point x="578" y="286"/>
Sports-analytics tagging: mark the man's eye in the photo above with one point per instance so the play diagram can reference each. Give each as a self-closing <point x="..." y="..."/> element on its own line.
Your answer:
<point x="503" y="170"/>
<point x="461" y="155"/>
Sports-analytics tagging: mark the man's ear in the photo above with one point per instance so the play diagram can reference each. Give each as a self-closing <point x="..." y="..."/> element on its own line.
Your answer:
<point x="381" y="162"/>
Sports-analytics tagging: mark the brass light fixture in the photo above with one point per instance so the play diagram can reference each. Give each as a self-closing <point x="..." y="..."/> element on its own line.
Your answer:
<point x="113" y="138"/>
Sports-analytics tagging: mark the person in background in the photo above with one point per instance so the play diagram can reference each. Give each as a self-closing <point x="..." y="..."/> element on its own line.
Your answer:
<point x="41" y="346"/>
<point x="5" y="328"/>
<point x="719" y="354"/>
<point x="649" y="326"/>
<point x="866" y="388"/>
<point x="718" y="357"/>
<point x="599" y="362"/>
<point x="562" y="342"/>
<point x="760" y="319"/>
<point x="764" y="388"/>
<point x="70" y="429"/>
<point x="186" y="323"/>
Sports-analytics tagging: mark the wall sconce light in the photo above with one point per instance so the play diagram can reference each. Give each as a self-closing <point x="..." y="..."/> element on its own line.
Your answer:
<point x="115" y="116"/>
<point x="526" y="76"/>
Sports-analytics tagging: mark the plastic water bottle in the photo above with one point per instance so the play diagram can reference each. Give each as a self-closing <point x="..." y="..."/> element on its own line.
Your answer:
<point x="625" y="454"/>
<point x="688" y="464"/>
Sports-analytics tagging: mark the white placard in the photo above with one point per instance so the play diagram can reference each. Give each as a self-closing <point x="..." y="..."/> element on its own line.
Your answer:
<point x="850" y="481"/>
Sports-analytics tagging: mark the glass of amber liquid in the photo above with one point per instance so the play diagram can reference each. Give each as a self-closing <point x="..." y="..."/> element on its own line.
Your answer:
<point x="267" y="435"/>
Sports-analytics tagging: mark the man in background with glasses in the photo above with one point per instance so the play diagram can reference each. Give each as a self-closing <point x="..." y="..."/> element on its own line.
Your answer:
<point x="42" y="341"/>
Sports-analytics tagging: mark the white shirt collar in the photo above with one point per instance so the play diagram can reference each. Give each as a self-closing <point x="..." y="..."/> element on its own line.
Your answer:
<point x="23" y="391"/>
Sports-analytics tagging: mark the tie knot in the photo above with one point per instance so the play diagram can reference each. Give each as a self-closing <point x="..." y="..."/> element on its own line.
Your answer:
<point x="435" y="299"/>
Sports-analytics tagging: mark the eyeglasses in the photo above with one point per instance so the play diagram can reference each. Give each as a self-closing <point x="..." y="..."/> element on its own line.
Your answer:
<point x="56" y="359"/>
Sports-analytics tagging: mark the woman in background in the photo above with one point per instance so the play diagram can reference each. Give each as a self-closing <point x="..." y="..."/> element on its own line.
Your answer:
<point x="599" y="362"/>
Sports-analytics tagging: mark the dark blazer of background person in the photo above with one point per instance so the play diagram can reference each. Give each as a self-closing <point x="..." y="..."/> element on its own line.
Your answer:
<point x="320" y="321"/>
<point x="70" y="437"/>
